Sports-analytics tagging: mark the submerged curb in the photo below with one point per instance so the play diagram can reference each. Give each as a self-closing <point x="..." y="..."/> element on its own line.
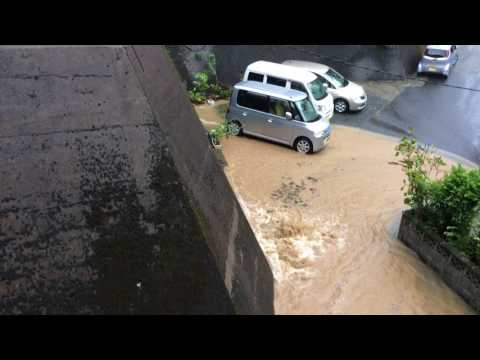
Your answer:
<point x="444" y="153"/>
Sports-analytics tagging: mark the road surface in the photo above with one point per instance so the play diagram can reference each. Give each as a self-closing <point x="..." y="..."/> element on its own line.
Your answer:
<point x="440" y="111"/>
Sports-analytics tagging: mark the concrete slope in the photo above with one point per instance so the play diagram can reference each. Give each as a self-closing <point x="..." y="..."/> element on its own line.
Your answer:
<point x="99" y="210"/>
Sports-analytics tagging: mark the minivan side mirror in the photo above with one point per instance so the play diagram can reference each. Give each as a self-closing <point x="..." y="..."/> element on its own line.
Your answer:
<point x="288" y="115"/>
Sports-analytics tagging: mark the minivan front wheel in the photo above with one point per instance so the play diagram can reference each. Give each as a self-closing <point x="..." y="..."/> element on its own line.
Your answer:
<point x="235" y="128"/>
<point x="303" y="146"/>
<point x="341" y="106"/>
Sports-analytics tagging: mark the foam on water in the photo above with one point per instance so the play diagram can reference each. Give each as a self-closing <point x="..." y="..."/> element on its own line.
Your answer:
<point x="291" y="242"/>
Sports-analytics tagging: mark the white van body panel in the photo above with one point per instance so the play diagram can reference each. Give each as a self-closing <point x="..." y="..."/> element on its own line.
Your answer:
<point x="288" y="73"/>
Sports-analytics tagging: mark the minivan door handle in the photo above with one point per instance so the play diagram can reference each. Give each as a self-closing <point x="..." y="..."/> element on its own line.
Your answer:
<point x="244" y="114"/>
<point x="270" y="121"/>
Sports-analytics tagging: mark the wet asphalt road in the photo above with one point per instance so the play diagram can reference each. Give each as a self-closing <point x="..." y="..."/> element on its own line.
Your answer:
<point x="447" y="117"/>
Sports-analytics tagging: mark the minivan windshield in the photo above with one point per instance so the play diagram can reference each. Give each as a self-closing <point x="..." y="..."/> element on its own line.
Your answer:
<point x="318" y="90"/>
<point x="336" y="79"/>
<point x="436" y="53"/>
<point x="306" y="110"/>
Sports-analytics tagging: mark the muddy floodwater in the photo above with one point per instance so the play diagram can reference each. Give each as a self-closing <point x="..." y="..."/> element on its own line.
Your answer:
<point x="328" y="222"/>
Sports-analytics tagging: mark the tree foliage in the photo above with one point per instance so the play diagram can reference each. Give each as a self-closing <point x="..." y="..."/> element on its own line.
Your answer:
<point x="450" y="206"/>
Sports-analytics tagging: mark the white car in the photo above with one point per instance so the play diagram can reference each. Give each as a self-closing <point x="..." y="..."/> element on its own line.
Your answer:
<point x="347" y="95"/>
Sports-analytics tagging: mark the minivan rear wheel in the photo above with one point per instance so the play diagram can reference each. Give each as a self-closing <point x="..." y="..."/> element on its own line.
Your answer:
<point x="235" y="128"/>
<point x="341" y="106"/>
<point x="303" y="146"/>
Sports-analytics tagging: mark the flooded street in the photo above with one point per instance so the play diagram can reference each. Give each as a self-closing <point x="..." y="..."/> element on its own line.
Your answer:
<point x="328" y="223"/>
<point x="443" y="112"/>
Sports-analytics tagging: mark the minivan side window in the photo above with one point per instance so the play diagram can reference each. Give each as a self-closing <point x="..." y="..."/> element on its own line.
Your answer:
<point x="298" y="86"/>
<point x="294" y="111"/>
<point x="255" y="77"/>
<point x="276" y="81"/>
<point x="278" y="107"/>
<point x="252" y="101"/>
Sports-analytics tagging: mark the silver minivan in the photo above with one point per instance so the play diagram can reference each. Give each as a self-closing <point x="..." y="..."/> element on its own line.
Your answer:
<point x="279" y="114"/>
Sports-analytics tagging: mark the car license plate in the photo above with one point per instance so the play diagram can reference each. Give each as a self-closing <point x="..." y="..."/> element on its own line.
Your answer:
<point x="432" y="69"/>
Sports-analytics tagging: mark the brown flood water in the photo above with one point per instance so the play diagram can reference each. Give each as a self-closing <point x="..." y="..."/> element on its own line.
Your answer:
<point x="328" y="223"/>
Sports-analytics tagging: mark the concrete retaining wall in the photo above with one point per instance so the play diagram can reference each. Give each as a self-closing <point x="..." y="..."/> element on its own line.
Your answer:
<point x="189" y="59"/>
<point x="393" y="62"/>
<point x="111" y="199"/>
<point x="455" y="269"/>
<point x="401" y="60"/>
<point x="239" y="258"/>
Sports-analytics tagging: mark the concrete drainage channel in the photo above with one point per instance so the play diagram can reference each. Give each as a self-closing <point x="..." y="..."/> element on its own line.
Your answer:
<point x="330" y="255"/>
<point x="387" y="116"/>
<point x="455" y="269"/>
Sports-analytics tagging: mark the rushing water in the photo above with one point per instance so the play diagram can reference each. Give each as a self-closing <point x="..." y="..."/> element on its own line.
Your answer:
<point x="328" y="223"/>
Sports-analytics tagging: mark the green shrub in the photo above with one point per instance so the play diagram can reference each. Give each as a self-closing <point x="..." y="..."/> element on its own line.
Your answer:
<point x="449" y="206"/>
<point x="217" y="91"/>
<point x="196" y="97"/>
<point x="418" y="163"/>
<point x="219" y="132"/>
<point x="201" y="82"/>
<point x="454" y="205"/>
<point x="210" y="63"/>
<point x="475" y="236"/>
<point x="204" y="84"/>
<point x="202" y="89"/>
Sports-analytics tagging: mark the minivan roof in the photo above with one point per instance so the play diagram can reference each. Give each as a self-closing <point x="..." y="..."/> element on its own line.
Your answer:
<point x="281" y="71"/>
<point x="271" y="90"/>
<point x="308" y="65"/>
<point x="439" y="47"/>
